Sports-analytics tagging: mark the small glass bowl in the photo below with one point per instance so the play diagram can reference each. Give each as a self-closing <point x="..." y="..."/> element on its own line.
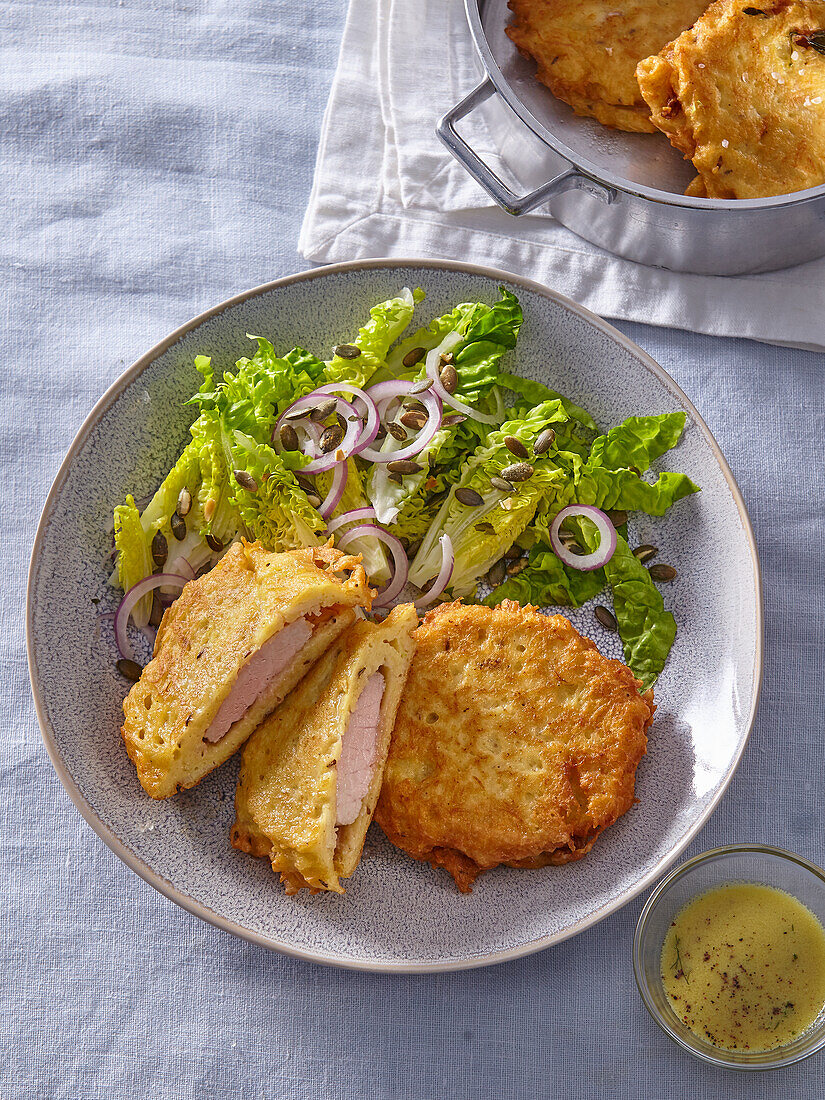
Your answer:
<point x="735" y="863"/>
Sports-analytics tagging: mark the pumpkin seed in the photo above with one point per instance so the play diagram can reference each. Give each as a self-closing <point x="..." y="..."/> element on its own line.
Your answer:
<point x="515" y="447"/>
<point x="184" y="502"/>
<point x="413" y="419"/>
<point x="404" y="466"/>
<point x="513" y="552"/>
<point x="342" y="423"/>
<point x="519" y="471"/>
<point x="323" y="410"/>
<point x="635" y="470"/>
<point x="314" y="500"/>
<point x="468" y="496"/>
<point x="496" y="573"/>
<point x="288" y="437"/>
<point x="204" y="569"/>
<point x="574" y="548"/>
<point x="421" y="386"/>
<point x="485" y="528"/>
<point x="502" y="485"/>
<point x="515" y="567"/>
<point x="414" y="405"/>
<point x="449" y="378"/>
<point x="331" y="438"/>
<point x="645" y="552"/>
<point x="616" y="516"/>
<point x="606" y="618"/>
<point x="413" y="357"/>
<point x="178" y="527"/>
<point x="544" y="441"/>
<point x="297" y="414"/>
<point x="209" y="509"/>
<point x="381" y="433"/>
<point x="413" y="548"/>
<point x="246" y="480"/>
<point x="160" y="549"/>
<point x="453" y="418"/>
<point x="306" y="484"/>
<point x="396" y="478"/>
<point x="346" y="351"/>
<point x="396" y="431"/>
<point x="437" y="499"/>
<point x="661" y="572"/>
<point x="156" y="613"/>
<point x="214" y="543"/>
<point x="130" y="669"/>
<point x="445" y="357"/>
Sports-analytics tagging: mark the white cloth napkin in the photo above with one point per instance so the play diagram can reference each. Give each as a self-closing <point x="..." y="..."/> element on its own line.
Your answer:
<point x="385" y="186"/>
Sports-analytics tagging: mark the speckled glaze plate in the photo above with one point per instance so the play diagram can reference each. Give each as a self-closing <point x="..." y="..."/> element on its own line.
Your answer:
<point x="397" y="914"/>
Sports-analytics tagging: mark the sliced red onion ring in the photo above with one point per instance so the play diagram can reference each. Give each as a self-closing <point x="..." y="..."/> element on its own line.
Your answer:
<point x="431" y="402"/>
<point x="399" y="578"/>
<point x="433" y="373"/>
<point x="607" y="538"/>
<point x="133" y="597"/>
<point x="371" y="423"/>
<point x="336" y="490"/>
<point x="322" y="462"/>
<point x="443" y="578"/>
<point x="350" y="517"/>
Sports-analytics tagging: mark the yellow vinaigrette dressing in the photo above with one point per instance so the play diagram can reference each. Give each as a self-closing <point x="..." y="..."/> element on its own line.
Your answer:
<point x="743" y="966"/>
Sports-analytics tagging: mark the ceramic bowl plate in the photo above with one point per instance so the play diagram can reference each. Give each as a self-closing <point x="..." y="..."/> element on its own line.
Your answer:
<point x="397" y="914"/>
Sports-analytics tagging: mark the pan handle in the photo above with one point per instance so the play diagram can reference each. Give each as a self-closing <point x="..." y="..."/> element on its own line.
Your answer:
<point x="495" y="187"/>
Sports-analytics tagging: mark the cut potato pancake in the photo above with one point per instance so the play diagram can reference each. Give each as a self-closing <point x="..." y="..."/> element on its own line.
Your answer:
<point x="587" y="50"/>
<point x="310" y="775"/>
<point x="742" y="95"/>
<point x="516" y="742"/>
<point x="228" y="650"/>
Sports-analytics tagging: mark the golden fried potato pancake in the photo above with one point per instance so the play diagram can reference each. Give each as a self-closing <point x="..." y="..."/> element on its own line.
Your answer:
<point x="228" y="650"/>
<point x="742" y="95"/>
<point x="310" y="775"/>
<point x="587" y="50"/>
<point x="516" y="742"/>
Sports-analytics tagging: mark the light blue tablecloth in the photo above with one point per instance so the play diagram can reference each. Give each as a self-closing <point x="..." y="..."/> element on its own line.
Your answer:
<point x="156" y="156"/>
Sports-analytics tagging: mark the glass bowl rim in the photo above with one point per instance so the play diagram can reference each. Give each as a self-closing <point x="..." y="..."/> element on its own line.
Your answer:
<point x="641" y="927"/>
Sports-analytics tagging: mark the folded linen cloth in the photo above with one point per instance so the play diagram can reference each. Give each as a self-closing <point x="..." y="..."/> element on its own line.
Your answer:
<point x="385" y="186"/>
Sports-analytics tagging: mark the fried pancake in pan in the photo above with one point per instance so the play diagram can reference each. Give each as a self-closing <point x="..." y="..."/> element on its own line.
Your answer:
<point x="228" y="650"/>
<point x="742" y="95"/>
<point x="587" y="50"/>
<point x="516" y="742"/>
<point x="310" y="775"/>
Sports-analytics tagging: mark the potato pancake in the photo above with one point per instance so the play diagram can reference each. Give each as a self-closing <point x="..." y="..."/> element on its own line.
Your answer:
<point x="587" y="50"/>
<point x="742" y="95"/>
<point x="516" y="742"/>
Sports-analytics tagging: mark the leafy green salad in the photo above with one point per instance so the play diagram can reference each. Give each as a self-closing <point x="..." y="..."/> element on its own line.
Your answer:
<point x="448" y="473"/>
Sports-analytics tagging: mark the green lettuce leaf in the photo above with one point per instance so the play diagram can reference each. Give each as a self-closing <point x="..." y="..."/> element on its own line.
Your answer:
<point x="638" y="441"/>
<point x="625" y="490"/>
<point x="387" y="321"/>
<point x="504" y="515"/>
<point x="535" y="393"/>
<point x="647" y="630"/>
<point x="134" y="556"/>
<point x="547" y="582"/>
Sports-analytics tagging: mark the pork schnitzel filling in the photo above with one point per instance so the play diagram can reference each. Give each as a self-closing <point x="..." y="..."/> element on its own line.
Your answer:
<point x="359" y="749"/>
<point x="263" y="669"/>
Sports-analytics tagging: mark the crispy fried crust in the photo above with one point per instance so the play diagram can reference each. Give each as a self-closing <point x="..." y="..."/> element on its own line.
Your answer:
<point x="215" y="624"/>
<point x="587" y="50"/>
<point x="285" y="802"/>
<point x="742" y="95"/>
<point x="516" y="742"/>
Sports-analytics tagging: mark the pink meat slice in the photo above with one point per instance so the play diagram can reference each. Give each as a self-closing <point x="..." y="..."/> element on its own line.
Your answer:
<point x="262" y="668"/>
<point x="358" y="751"/>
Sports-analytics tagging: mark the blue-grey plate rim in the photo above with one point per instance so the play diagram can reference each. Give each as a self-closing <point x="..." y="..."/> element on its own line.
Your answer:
<point x="188" y="903"/>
